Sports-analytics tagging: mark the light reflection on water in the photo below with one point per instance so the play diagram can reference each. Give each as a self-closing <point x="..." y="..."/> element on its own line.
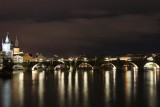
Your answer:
<point x="41" y="88"/>
<point x="130" y="86"/>
<point x="107" y="87"/>
<point x="21" y="88"/>
<point x="61" y="88"/>
<point x="81" y="89"/>
<point x="151" y="78"/>
<point x="85" y="89"/>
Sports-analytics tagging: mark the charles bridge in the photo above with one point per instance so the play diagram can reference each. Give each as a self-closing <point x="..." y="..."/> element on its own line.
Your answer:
<point x="92" y="64"/>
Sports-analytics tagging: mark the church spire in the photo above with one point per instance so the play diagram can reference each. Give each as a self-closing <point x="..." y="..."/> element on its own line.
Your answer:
<point x="16" y="42"/>
<point x="7" y="38"/>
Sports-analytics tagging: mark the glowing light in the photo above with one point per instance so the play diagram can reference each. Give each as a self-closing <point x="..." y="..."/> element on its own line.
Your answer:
<point x="61" y="89"/>
<point x="70" y="59"/>
<point x="41" y="75"/>
<point x="21" y="88"/>
<point x="85" y="65"/>
<point x="41" y="88"/>
<point x="21" y="76"/>
<point x="151" y="65"/>
<point x="114" y="67"/>
<point x="128" y="85"/>
<point x="135" y="66"/>
<point x="34" y="74"/>
<point x="85" y="88"/>
<point x="150" y="59"/>
<point x="107" y="86"/>
<point x="40" y="60"/>
<point x="135" y="75"/>
<point x="106" y="59"/>
<point x="61" y="60"/>
<point x="38" y="66"/>
<point x="76" y="87"/>
<point x="114" y="76"/>
<point x="70" y="87"/>
<point x="85" y="59"/>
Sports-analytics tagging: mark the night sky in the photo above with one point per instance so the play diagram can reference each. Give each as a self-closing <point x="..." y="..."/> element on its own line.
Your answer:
<point x="74" y="27"/>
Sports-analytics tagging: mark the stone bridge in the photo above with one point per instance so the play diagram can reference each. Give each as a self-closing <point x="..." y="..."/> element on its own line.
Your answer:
<point x="92" y="64"/>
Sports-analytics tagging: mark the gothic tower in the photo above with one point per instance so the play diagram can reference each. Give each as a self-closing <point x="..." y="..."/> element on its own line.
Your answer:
<point x="16" y="49"/>
<point x="16" y="42"/>
<point x="6" y="46"/>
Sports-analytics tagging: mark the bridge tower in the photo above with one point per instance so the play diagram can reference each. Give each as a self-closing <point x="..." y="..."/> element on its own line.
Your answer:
<point x="7" y="46"/>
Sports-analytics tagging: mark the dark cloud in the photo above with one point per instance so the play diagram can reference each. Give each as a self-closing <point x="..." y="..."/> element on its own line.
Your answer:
<point x="77" y="27"/>
<point x="50" y="10"/>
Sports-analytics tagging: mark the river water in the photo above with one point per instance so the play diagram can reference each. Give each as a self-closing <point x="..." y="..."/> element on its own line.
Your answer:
<point x="81" y="89"/>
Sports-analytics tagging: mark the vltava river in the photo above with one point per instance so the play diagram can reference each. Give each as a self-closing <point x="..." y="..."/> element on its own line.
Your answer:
<point x="81" y="89"/>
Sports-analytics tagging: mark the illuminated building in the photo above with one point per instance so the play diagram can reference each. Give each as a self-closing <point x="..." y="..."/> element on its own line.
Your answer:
<point x="40" y="58"/>
<point x="7" y="47"/>
<point x="17" y="59"/>
<point x="12" y="51"/>
<point x="16" y="49"/>
<point x="27" y="57"/>
<point x="17" y="53"/>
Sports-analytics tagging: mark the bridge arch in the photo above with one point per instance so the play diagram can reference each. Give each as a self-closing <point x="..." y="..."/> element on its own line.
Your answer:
<point x="134" y="65"/>
<point x="39" y="66"/>
<point x="18" y="67"/>
<point x="151" y="66"/>
<point x="85" y="66"/>
<point x="108" y="65"/>
<point x="61" y="67"/>
<point x="130" y="66"/>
